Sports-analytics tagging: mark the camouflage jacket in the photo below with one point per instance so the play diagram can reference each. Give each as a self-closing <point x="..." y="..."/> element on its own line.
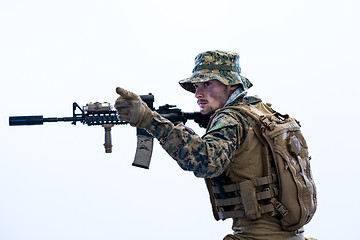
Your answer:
<point x="209" y="155"/>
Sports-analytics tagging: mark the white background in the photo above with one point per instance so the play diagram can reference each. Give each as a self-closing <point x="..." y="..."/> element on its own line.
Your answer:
<point x="56" y="182"/>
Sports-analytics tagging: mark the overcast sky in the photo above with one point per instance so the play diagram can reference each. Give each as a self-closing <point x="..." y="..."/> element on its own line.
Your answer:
<point x="57" y="182"/>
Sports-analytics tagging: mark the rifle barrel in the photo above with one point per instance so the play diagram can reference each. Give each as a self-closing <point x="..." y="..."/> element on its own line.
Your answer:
<point x="26" y="120"/>
<point x="35" y="120"/>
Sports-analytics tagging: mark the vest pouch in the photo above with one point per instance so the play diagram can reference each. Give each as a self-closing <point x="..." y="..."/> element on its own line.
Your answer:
<point x="248" y="196"/>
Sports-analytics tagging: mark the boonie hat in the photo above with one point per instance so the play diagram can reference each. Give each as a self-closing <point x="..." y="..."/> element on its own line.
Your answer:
<point x="219" y="65"/>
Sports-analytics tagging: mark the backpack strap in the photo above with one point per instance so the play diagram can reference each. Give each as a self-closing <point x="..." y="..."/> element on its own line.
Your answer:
<point x="257" y="121"/>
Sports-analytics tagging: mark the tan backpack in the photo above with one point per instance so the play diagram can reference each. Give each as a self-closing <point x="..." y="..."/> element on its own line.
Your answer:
<point x="295" y="191"/>
<point x="296" y="201"/>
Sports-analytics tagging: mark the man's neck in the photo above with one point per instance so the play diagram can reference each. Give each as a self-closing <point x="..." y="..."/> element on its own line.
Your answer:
<point x="235" y="95"/>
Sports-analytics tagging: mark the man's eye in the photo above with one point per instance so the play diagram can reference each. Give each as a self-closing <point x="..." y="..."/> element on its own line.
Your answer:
<point x="207" y="84"/>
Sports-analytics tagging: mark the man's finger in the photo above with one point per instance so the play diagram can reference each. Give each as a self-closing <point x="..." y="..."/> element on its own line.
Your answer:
<point x="123" y="111"/>
<point x="126" y="94"/>
<point x="122" y="103"/>
<point x="125" y="118"/>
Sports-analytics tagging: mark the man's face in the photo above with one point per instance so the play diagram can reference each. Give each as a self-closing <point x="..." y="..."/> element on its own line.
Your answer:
<point x="212" y="95"/>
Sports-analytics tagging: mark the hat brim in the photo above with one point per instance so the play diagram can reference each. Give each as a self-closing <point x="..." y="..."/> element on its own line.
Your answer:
<point x="225" y="77"/>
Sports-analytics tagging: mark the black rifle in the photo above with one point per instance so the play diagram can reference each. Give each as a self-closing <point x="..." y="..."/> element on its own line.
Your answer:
<point x="103" y="114"/>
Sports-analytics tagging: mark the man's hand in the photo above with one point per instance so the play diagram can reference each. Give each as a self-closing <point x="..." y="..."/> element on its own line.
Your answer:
<point x="132" y="109"/>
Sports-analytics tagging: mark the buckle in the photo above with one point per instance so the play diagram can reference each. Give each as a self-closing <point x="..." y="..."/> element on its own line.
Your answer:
<point x="281" y="208"/>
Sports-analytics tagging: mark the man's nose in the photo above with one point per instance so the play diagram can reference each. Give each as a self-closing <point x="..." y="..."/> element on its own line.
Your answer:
<point x="198" y="93"/>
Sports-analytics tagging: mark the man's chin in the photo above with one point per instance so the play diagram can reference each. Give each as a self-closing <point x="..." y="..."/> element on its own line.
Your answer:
<point x="202" y="111"/>
<point x="205" y="111"/>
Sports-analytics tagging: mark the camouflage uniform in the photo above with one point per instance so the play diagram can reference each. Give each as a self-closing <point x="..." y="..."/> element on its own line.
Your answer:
<point x="225" y="144"/>
<point x="206" y="156"/>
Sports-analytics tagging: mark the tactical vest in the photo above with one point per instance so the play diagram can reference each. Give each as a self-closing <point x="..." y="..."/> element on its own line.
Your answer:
<point x="270" y="173"/>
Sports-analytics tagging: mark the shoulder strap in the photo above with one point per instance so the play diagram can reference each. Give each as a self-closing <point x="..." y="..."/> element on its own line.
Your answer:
<point x="256" y="120"/>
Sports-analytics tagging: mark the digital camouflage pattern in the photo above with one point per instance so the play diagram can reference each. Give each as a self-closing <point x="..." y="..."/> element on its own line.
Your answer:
<point x="210" y="156"/>
<point x="206" y="156"/>
<point x="229" y="149"/>
<point x="220" y="65"/>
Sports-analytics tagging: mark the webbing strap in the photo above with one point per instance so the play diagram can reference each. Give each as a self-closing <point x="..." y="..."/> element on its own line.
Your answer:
<point x="231" y="214"/>
<point x="228" y="201"/>
<point x="234" y="187"/>
<point x="272" y="178"/>
<point x="269" y="208"/>
<point x="267" y="194"/>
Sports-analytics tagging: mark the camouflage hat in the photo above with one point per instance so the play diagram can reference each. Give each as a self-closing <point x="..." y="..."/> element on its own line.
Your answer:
<point x="218" y="65"/>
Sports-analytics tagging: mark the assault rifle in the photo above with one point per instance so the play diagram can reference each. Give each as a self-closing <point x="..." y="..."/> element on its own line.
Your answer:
<point x="103" y="114"/>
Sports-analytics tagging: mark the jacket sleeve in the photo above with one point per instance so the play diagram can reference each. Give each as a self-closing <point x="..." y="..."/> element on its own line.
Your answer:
<point x="206" y="156"/>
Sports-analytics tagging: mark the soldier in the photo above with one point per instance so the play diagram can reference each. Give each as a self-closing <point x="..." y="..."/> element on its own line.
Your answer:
<point x="229" y="152"/>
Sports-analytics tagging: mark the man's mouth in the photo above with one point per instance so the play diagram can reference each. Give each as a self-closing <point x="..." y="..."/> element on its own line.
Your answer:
<point x="201" y="103"/>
